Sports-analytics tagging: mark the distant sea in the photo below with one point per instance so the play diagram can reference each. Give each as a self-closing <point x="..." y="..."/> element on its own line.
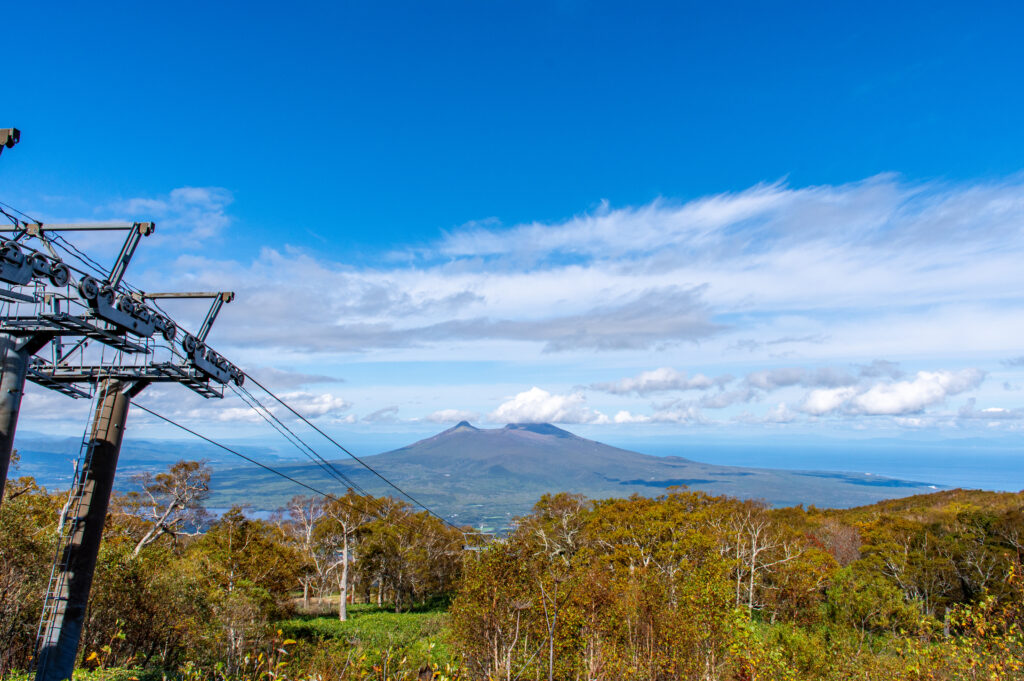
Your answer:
<point x="953" y="464"/>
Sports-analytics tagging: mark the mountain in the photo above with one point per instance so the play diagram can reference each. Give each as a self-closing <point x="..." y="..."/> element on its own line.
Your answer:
<point x="489" y="476"/>
<point x="50" y="459"/>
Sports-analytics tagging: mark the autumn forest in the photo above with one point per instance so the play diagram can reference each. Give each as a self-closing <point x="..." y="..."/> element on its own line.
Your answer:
<point x="682" y="586"/>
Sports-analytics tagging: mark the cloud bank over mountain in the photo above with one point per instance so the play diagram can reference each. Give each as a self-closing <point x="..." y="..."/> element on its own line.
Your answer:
<point x="866" y="302"/>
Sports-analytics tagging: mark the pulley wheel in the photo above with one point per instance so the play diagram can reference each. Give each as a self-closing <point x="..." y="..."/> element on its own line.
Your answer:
<point x="143" y="313"/>
<point x="11" y="251"/>
<point x="60" y="275"/>
<point x="169" y="329"/>
<point x="89" y="288"/>
<point x="40" y="264"/>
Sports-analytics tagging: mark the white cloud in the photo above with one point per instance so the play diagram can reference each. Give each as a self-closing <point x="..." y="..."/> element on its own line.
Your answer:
<point x="228" y="415"/>
<point x="276" y="379"/>
<point x="773" y="379"/>
<point x="770" y="379"/>
<point x="621" y="231"/>
<point x="780" y="414"/>
<point x="627" y="417"/>
<point x="688" y="414"/>
<point x="539" y="406"/>
<point x="657" y="380"/>
<point x="383" y="415"/>
<point x="911" y="422"/>
<point x="836" y="274"/>
<point x="970" y="411"/>
<point x="880" y="368"/>
<point x="908" y="397"/>
<point x="190" y="213"/>
<point x="726" y="398"/>
<point x="894" y="398"/>
<point x="813" y="268"/>
<point x="313" y="406"/>
<point x="825" y="400"/>
<point x="316" y="404"/>
<point x="48" y="405"/>
<point x="452" y="416"/>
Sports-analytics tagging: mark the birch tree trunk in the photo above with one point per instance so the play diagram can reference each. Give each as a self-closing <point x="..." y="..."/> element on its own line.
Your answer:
<point x="343" y="599"/>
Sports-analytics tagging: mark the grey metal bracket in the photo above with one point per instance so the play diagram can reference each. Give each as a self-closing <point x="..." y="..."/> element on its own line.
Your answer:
<point x="209" y="362"/>
<point x="189" y="378"/>
<point x="38" y="229"/>
<point x="139" y="230"/>
<point x="211" y="316"/>
<point x="125" y="313"/>
<point x="36" y="342"/>
<point x="9" y="137"/>
<point x="136" y="230"/>
<point x="47" y="375"/>
<point x="15" y="297"/>
<point x="65" y="324"/>
<point x="45" y="381"/>
<point x="19" y="268"/>
<point x="219" y="298"/>
<point x="136" y="389"/>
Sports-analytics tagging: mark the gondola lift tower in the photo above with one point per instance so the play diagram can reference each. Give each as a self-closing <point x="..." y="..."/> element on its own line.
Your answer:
<point x="58" y="322"/>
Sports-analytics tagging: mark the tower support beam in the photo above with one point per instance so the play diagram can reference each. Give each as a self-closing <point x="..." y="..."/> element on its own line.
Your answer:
<point x="64" y="613"/>
<point x="13" y="367"/>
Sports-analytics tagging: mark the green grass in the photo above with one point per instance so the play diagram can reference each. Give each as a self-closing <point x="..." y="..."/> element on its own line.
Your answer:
<point x="374" y="643"/>
<point x="112" y="674"/>
<point x="419" y="638"/>
<point x="368" y="624"/>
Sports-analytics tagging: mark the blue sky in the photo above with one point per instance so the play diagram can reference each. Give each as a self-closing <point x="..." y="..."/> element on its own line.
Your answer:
<point x="724" y="219"/>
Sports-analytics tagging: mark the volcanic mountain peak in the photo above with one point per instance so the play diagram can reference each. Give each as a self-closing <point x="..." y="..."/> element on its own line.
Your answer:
<point x="540" y="429"/>
<point x="494" y="474"/>
<point x="545" y="429"/>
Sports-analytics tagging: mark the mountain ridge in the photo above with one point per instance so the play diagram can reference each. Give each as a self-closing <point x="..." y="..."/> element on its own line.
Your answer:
<point x="482" y="475"/>
<point x="491" y="475"/>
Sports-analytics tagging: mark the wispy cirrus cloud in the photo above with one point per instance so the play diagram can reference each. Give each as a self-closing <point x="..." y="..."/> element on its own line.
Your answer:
<point x="190" y="213"/>
<point x="384" y="415"/>
<point x="834" y="274"/>
<point x="286" y="379"/>
<point x="879" y="213"/>
<point x="331" y="309"/>
<point x="812" y="269"/>
<point x="668" y="315"/>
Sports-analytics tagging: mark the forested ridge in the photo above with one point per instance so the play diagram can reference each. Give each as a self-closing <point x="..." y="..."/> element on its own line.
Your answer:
<point x="684" y="586"/>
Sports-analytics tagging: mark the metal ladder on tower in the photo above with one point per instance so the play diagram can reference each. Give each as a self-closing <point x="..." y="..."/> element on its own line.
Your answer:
<point x="72" y="516"/>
